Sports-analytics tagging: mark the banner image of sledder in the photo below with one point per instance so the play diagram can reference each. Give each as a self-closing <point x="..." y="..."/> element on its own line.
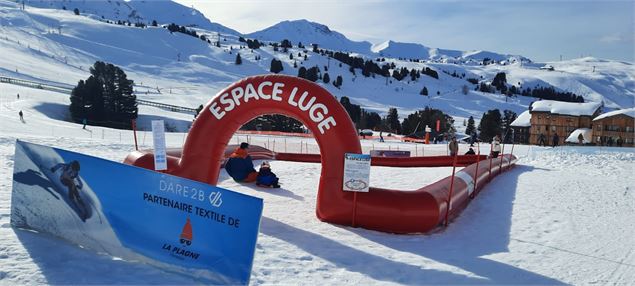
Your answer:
<point x="136" y="214"/>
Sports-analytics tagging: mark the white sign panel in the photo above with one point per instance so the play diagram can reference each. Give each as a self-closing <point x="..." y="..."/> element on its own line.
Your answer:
<point x="356" y="172"/>
<point x="158" y="138"/>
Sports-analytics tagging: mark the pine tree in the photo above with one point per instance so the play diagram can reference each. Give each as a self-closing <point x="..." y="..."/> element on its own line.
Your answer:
<point x="338" y="81"/>
<point x="105" y="98"/>
<point x="424" y="91"/>
<point x="354" y="111"/>
<point x="276" y="66"/>
<point x="326" y="78"/>
<point x="392" y="120"/>
<point x="312" y="74"/>
<point x="239" y="61"/>
<point x="490" y="125"/>
<point x="302" y="72"/>
<point x="470" y="129"/>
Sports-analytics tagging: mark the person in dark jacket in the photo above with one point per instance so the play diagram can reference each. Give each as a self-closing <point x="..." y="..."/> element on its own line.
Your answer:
<point x="556" y="140"/>
<point x="266" y="178"/>
<point x="541" y="140"/>
<point x="470" y="152"/>
<point x="240" y="166"/>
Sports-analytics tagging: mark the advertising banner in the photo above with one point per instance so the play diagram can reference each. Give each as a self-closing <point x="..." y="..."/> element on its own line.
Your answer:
<point x="356" y="172"/>
<point x="136" y="214"/>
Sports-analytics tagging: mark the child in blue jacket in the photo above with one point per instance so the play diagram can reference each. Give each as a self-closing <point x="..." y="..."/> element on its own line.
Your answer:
<point x="266" y="178"/>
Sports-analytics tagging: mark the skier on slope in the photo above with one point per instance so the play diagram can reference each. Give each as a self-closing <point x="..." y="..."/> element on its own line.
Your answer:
<point x="70" y="174"/>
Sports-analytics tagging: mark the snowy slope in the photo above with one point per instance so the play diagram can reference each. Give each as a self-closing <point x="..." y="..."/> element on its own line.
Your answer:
<point x="178" y="69"/>
<point x="562" y="216"/>
<point x="310" y="33"/>
<point x="134" y="11"/>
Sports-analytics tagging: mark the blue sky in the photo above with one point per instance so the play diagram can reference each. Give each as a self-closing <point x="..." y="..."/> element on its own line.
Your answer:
<point x="540" y="30"/>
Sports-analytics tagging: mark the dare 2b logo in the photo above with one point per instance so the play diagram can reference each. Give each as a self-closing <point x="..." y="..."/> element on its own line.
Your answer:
<point x="186" y="238"/>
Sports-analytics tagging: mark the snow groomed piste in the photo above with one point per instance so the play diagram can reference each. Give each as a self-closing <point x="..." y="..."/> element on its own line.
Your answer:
<point x="394" y="211"/>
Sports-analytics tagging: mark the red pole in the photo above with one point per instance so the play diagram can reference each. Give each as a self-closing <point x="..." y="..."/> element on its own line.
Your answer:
<point x="134" y="131"/>
<point x="447" y="210"/>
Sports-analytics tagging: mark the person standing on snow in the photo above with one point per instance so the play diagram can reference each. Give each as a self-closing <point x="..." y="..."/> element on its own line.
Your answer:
<point x="541" y="140"/>
<point x="453" y="146"/>
<point x="580" y="139"/>
<point x="496" y="147"/>
<point x="240" y="166"/>
<point x="556" y="140"/>
<point x="21" y="116"/>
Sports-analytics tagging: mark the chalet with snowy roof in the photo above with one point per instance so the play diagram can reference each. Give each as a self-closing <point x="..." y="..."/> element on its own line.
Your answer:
<point x="521" y="126"/>
<point x="549" y="117"/>
<point x="612" y="126"/>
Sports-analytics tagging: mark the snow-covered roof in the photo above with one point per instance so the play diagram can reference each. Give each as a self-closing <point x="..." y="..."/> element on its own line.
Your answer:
<point x="628" y="112"/>
<point x="566" y="108"/>
<point x="522" y="120"/>
<point x="586" y="133"/>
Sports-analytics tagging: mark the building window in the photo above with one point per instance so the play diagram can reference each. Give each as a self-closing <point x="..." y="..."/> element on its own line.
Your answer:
<point x="629" y="129"/>
<point x="553" y="128"/>
<point x="598" y="127"/>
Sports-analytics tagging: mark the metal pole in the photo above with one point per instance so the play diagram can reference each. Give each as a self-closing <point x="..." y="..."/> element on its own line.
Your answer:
<point x="449" y="202"/>
<point x="500" y="167"/>
<point x="478" y="156"/>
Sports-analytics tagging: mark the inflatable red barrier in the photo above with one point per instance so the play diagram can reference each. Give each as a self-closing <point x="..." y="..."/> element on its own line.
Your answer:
<point x="380" y="209"/>
<point x="429" y="161"/>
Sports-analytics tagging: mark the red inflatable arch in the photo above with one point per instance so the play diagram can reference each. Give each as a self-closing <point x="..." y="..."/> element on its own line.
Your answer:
<point x="244" y="100"/>
<point x="380" y="209"/>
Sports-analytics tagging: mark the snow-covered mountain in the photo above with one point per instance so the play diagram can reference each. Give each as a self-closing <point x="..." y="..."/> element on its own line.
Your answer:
<point x="310" y="33"/>
<point x="143" y="11"/>
<point x="179" y="69"/>
<point x="418" y="51"/>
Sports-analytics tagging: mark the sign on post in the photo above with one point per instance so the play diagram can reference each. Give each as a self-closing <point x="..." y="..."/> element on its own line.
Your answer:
<point x="168" y="221"/>
<point x="158" y="140"/>
<point x="356" y="172"/>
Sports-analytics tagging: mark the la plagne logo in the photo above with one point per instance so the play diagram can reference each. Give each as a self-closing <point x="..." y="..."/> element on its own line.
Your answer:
<point x="185" y="239"/>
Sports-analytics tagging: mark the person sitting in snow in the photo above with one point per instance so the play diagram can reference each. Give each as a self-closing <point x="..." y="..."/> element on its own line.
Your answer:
<point x="240" y="166"/>
<point x="266" y="178"/>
